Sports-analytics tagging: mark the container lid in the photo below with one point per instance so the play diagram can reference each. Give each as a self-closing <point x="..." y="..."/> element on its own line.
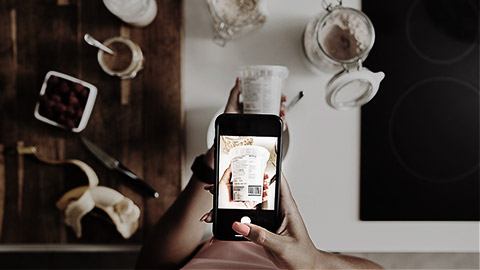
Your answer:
<point x="352" y="88"/>
<point x="263" y="71"/>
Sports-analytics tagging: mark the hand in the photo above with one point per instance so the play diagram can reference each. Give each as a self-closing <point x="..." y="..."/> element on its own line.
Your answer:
<point x="225" y="187"/>
<point x="290" y="246"/>
<point x="235" y="106"/>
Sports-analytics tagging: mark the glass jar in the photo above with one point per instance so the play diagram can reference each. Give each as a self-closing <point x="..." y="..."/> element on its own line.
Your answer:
<point x="127" y="61"/>
<point x="233" y="18"/>
<point x="337" y="41"/>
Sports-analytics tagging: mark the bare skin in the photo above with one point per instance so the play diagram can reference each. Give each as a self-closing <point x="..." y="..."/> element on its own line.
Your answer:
<point x="177" y="235"/>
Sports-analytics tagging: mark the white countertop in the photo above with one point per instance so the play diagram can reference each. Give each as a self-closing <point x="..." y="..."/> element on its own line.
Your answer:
<point x="322" y="165"/>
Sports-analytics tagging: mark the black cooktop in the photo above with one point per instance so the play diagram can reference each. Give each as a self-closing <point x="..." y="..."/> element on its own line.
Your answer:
<point x="420" y="134"/>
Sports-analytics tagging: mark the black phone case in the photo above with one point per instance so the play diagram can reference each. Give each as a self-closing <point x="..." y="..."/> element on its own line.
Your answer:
<point x="246" y="125"/>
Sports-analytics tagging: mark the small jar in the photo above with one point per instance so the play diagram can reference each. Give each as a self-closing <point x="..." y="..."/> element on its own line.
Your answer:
<point x="336" y="42"/>
<point x="127" y="61"/>
<point x="233" y="18"/>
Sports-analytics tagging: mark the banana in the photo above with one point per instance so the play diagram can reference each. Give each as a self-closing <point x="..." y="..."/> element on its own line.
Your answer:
<point x="76" y="210"/>
<point x="79" y="201"/>
<point x="70" y="196"/>
<point x="123" y="212"/>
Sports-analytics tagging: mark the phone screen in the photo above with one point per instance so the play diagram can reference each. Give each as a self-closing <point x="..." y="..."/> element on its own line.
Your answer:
<point x="247" y="167"/>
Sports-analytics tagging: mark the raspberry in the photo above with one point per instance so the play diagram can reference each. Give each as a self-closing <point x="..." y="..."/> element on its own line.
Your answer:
<point x="79" y="113"/>
<point x="56" y="98"/>
<point x="73" y="101"/>
<point x="71" y="110"/>
<point x="60" y="108"/>
<point x="70" y="124"/>
<point x="62" y="119"/>
<point x="84" y="93"/>
<point x="78" y="87"/>
<point x="53" y="80"/>
<point x="64" y="89"/>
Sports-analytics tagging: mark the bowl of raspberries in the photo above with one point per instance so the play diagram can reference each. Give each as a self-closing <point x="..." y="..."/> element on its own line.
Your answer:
<point x="65" y="101"/>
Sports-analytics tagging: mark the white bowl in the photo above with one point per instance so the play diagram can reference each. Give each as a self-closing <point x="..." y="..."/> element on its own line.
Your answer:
<point x="87" y="111"/>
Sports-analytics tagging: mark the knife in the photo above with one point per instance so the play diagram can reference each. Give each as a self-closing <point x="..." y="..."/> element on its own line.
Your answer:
<point x="113" y="164"/>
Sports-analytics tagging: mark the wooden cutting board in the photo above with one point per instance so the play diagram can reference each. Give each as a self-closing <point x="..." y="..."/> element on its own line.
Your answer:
<point x="139" y="121"/>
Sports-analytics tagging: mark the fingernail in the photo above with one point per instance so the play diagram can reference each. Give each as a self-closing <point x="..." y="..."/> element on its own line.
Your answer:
<point x="202" y="219"/>
<point x="207" y="187"/>
<point x="241" y="228"/>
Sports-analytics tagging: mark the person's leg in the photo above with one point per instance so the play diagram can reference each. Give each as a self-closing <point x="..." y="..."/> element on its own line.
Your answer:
<point x="178" y="232"/>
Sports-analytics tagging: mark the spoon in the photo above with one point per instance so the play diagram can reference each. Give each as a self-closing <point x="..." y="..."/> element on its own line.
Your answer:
<point x="295" y="100"/>
<point x="92" y="41"/>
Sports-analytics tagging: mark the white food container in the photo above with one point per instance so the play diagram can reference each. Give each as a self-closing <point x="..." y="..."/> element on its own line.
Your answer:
<point x="248" y="169"/>
<point x="87" y="110"/>
<point x="262" y="88"/>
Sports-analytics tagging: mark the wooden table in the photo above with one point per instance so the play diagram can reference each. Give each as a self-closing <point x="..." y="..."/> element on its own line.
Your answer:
<point x="139" y="121"/>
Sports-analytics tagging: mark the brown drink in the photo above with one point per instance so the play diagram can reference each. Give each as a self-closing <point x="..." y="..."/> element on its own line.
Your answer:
<point x="121" y="59"/>
<point x="127" y="60"/>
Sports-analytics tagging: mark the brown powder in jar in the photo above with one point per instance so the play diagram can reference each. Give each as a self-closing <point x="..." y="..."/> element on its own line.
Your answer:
<point x="341" y="44"/>
<point x="122" y="58"/>
<point x="344" y="35"/>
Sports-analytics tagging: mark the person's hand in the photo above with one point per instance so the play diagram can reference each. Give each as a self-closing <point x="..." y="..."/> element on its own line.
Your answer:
<point x="235" y="106"/>
<point x="290" y="246"/>
<point x="225" y="187"/>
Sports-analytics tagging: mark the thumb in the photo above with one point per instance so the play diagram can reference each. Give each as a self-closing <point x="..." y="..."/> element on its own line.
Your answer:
<point x="233" y="99"/>
<point x="259" y="235"/>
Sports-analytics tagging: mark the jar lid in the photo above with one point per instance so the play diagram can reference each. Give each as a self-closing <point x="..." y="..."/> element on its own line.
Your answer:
<point x="352" y="88"/>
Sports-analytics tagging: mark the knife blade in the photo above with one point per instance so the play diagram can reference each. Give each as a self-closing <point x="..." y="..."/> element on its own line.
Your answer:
<point x="114" y="164"/>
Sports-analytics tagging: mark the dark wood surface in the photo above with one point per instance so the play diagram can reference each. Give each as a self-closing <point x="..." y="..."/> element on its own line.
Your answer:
<point x="139" y="121"/>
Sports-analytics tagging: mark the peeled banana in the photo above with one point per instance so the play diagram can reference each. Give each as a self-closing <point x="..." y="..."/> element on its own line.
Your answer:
<point x="79" y="201"/>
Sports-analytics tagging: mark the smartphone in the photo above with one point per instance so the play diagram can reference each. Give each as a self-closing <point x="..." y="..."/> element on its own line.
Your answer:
<point x="248" y="159"/>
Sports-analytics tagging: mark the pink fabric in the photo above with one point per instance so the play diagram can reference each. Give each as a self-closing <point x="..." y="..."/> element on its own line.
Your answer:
<point x="230" y="255"/>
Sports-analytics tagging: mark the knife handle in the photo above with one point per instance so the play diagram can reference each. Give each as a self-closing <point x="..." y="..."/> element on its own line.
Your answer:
<point x="137" y="181"/>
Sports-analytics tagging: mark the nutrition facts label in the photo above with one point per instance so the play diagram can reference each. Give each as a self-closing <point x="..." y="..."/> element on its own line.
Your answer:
<point x="247" y="178"/>
<point x="259" y="95"/>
